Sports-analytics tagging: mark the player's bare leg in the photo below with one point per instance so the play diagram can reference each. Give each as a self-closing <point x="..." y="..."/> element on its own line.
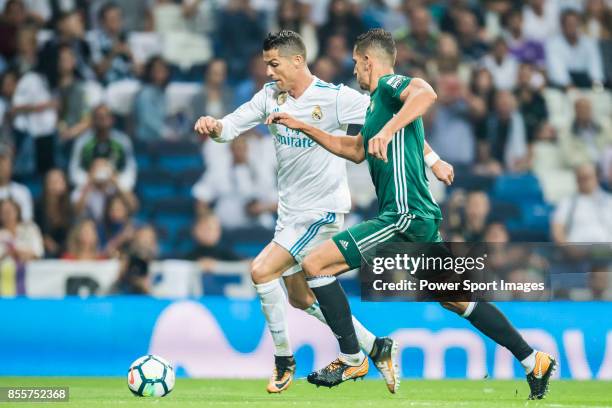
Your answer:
<point x="266" y="271"/>
<point x="490" y="321"/>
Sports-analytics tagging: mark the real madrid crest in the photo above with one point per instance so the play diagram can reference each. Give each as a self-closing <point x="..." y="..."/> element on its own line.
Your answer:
<point x="282" y="97"/>
<point x="317" y="113"/>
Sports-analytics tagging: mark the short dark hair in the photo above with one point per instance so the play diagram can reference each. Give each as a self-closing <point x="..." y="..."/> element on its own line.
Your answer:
<point x="569" y="13"/>
<point x="106" y="7"/>
<point x="379" y="39"/>
<point x="285" y="41"/>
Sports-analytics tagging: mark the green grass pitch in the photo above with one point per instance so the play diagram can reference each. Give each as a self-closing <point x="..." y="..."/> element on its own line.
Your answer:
<point x="113" y="392"/>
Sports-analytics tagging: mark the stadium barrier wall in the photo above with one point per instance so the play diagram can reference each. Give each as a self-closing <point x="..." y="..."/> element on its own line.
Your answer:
<point x="219" y="337"/>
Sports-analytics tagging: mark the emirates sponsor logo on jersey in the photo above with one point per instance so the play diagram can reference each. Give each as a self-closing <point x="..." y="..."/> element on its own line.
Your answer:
<point x="317" y="113"/>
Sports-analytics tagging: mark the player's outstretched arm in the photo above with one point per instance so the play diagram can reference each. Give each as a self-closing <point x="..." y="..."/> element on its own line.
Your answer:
<point x="347" y="147"/>
<point x="417" y="98"/>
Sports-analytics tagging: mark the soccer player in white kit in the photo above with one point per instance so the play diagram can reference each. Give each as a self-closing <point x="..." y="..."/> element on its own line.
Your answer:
<point x="313" y="192"/>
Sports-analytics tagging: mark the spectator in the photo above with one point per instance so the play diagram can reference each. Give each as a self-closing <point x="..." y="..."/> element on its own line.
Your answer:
<point x="342" y="22"/>
<point x="291" y="17"/>
<point x="450" y="20"/>
<point x="421" y="40"/>
<point x="92" y="198"/>
<point x="34" y="124"/>
<point x="585" y="139"/>
<point x="235" y="192"/>
<point x="585" y="216"/>
<point x="103" y="142"/>
<point x="447" y="59"/>
<point x="214" y="99"/>
<point x="13" y="17"/>
<point x="337" y="50"/>
<point x="19" y="239"/>
<point x="150" y="105"/>
<point x="523" y="49"/>
<point x="476" y="215"/>
<point x="10" y="189"/>
<point x="599" y="283"/>
<point x="110" y="52"/>
<point x="26" y="59"/>
<point x="532" y="104"/>
<point x="325" y="69"/>
<point x="596" y="19"/>
<point x="483" y="90"/>
<point x="470" y="43"/>
<point x="73" y="111"/>
<point x="134" y="275"/>
<point x="70" y="31"/>
<point x="54" y="213"/>
<point x="208" y="250"/>
<point x="502" y="65"/>
<point x="453" y="116"/>
<point x="497" y="233"/>
<point x="117" y="229"/>
<point x="8" y="84"/>
<point x="540" y="20"/>
<point x="257" y="78"/>
<point x="506" y="133"/>
<point x="237" y="46"/>
<point x="83" y="242"/>
<point x="573" y="59"/>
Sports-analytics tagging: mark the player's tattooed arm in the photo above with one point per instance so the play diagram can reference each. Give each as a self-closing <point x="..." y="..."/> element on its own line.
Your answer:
<point x="347" y="147"/>
<point x="417" y="98"/>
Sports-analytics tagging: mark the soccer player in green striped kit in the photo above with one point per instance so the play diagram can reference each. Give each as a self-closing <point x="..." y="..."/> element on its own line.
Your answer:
<point x="391" y="140"/>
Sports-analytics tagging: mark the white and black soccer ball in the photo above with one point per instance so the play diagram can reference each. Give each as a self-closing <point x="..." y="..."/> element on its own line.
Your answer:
<point x="150" y="376"/>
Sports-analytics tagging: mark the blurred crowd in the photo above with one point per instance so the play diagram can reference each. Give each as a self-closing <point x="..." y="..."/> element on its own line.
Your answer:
<point x="98" y="100"/>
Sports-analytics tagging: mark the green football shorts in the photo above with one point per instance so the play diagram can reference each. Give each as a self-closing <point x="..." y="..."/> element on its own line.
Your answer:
<point x="357" y="242"/>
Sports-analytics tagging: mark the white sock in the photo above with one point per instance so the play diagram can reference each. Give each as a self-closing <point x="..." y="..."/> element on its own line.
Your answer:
<point x="364" y="336"/>
<point x="273" y="305"/>
<point x="352" y="359"/>
<point x="529" y="362"/>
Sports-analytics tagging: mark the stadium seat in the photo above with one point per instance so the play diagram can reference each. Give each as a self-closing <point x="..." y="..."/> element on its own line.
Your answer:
<point x="154" y="185"/>
<point x="517" y="188"/>
<point x="527" y="235"/>
<point x="173" y="205"/>
<point x="247" y="242"/>
<point x="536" y="215"/>
<point x="175" y="164"/>
<point x="503" y="210"/>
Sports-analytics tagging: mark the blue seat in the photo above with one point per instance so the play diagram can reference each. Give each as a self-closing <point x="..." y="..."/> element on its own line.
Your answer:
<point x="536" y="215"/>
<point x="149" y="192"/>
<point x="517" y="188"/>
<point x="173" y="224"/>
<point x="144" y="161"/>
<point x="180" y="163"/>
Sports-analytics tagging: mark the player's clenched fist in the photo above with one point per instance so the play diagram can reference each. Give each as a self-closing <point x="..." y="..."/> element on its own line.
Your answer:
<point x="208" y="126"/>
<point x="377" y="146"/>
<point x="443" y="172"/>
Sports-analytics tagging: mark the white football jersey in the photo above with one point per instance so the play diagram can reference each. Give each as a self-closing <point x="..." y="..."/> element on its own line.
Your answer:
<point x="309" y="177"/>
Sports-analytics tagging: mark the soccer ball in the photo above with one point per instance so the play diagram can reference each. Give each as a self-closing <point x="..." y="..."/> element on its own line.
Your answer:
<point x="150" y="376"/>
